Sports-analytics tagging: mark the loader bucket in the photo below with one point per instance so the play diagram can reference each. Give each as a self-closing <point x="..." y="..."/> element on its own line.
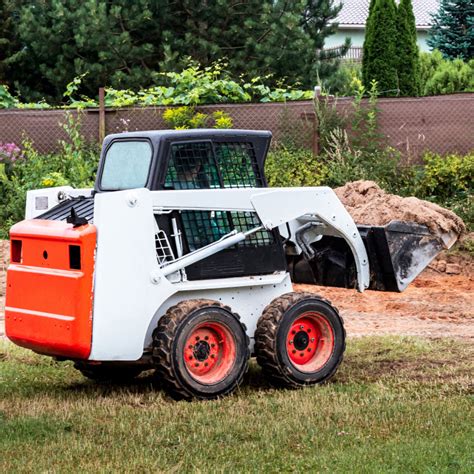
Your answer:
<point x="398" y="253"/>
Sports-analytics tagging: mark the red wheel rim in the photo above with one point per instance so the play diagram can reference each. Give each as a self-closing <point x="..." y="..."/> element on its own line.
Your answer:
<point x="210" y="352"/>
<point x="310" y="342"/>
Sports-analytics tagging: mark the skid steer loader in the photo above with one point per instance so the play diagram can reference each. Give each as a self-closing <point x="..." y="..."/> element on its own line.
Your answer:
<point x="181" y="259"/>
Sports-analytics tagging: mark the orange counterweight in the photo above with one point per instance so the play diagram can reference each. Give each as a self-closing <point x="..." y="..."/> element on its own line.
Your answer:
<point x="49" y="294"/>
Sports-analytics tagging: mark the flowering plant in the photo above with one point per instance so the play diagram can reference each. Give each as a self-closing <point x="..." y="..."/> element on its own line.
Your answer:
<point x="9" y="153"/>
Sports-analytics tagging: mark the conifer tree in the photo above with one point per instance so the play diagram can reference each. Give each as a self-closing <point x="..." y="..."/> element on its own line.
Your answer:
<point x="113" y="42"/>
<point x="9" y="44"/>
<point x="125" y="43"/>
<point x="381" y="47"/>
<point x="452" y="32"/>
<point x="407" y="50"/>
<point x="366" y="46"/>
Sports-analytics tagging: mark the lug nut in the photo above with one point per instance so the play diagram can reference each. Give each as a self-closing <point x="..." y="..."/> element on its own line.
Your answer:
<point x="293" y="332"/>
<point x="206" y="364"/>
<point x="309" y="349"/>
<point x="213" y="356"/>
<point x="213" y="345"/>
<point x="312" y="339"/>
<point x="309" y="330"/>
<point x="301" y="355"/>
<point x="197" y="338"/>
<point x="206" y="338"/>
<point x="301" y="327"/>
<point x="196" y="365"/>
<point x="293" y="351"/>
<point x="291" y="342"/>
<point x="190" y="346"/>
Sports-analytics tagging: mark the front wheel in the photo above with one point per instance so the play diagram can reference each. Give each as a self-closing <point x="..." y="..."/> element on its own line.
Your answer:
<point x="200" y="349"/>
<point x="300" y="340"/>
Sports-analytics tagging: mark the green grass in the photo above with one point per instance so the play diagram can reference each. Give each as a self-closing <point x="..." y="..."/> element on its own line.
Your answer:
<point x="396" y="405"/>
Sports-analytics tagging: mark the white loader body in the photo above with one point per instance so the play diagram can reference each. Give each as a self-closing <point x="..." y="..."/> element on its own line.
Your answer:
<point x="131" y="290"/>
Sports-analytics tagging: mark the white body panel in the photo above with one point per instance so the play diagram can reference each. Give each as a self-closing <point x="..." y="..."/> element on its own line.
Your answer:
<point x="125" y="297"/>
<point x="131" y="292"/>
<point x="247" y="296"/>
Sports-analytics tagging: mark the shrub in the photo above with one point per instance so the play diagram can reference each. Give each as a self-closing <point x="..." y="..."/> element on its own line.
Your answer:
<point x="193" y="86"/>
<point x="294" y="167"/>
<point x="447" y="176"/>
<point x="75" y="164"/>
<point x="447" y="180"/>
<point x="6" y="99"/>
<point x="351" y="146"/>
<point x="345" y="163"/>
<point x="182" y="118"/>
<point x="341" y="83"/>
<point x="443" y="76"/>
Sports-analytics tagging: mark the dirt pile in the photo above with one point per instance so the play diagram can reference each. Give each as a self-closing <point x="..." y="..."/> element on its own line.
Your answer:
<point x="370" y="205"/>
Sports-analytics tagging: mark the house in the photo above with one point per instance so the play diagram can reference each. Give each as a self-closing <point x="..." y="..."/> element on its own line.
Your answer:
<point x="351" y="24"/>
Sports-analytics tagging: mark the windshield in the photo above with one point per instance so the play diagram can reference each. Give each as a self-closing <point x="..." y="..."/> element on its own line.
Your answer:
<point x="127" y="164"/>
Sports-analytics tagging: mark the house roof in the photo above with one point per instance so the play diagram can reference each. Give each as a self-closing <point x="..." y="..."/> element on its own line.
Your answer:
<point x="354" y="12"/>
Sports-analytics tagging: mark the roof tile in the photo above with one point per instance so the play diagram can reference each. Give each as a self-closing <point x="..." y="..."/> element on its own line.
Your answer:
<point x="354" y="12"/>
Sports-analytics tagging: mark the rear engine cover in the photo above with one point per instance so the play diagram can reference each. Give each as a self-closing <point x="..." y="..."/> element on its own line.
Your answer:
<point x="50" y="287"/>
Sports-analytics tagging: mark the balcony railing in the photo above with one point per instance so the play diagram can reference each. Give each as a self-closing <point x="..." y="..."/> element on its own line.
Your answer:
<point x="353" y="54"/>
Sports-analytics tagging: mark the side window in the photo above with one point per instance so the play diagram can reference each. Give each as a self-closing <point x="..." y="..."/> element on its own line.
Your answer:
<point x="237" y="164"/>
<point x="192" y="166"/>
<point x="127" y="164"/>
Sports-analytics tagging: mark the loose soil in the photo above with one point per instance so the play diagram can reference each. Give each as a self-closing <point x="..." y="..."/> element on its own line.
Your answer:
<point x="439" y="303"/>
<point x="370" y="205"/>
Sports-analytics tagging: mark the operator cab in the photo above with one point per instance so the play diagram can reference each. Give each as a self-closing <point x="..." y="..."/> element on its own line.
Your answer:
<point x="198" y="159"/>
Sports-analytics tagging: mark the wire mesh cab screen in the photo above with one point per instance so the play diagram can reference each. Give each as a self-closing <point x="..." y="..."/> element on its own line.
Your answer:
<point x="204" y="165"/>
<point x="214" y="164"/>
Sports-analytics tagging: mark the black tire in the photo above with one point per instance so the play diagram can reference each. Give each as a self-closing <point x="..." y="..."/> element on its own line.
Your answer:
<point x="275" y="334"/>
<point x="113" y="373"/>
<point x="173" y="353"/>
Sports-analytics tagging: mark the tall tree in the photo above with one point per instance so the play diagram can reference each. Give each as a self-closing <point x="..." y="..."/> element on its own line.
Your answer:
<point x="381" y="39"/>
<point x="125" y="43"/>
<point x="453" y="29"/>
<point x="257" y="37"/>
<point x="112" y="42"/>
<point x="407" y="50"/>
<point x="9" y="43"/>
<point x="369" y="23"/>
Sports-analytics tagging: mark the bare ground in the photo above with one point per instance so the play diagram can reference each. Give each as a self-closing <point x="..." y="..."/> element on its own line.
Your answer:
<point x="439" y="303"/>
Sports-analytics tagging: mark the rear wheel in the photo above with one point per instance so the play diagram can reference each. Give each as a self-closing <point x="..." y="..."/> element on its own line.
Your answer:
<point x="300" y="340"/>
<point x="113" y="373"/>
<point x="200" y="349"/>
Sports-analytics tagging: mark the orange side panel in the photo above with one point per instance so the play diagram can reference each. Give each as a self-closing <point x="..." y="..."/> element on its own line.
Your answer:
<point x="49" y="295"/>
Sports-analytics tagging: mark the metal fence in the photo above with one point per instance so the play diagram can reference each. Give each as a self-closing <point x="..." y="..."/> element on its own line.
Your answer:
<point x="441" y="124"/>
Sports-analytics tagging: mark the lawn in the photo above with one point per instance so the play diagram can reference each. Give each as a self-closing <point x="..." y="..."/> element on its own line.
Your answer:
<point x="396" y="405"/>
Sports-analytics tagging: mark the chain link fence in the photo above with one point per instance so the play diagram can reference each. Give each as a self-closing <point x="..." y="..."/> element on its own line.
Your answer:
<point x="441" y="124"/>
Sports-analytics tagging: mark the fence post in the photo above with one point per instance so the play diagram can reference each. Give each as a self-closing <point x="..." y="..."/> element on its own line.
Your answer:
<point x="317" y="94"/>
<point x="101" y="115"/>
